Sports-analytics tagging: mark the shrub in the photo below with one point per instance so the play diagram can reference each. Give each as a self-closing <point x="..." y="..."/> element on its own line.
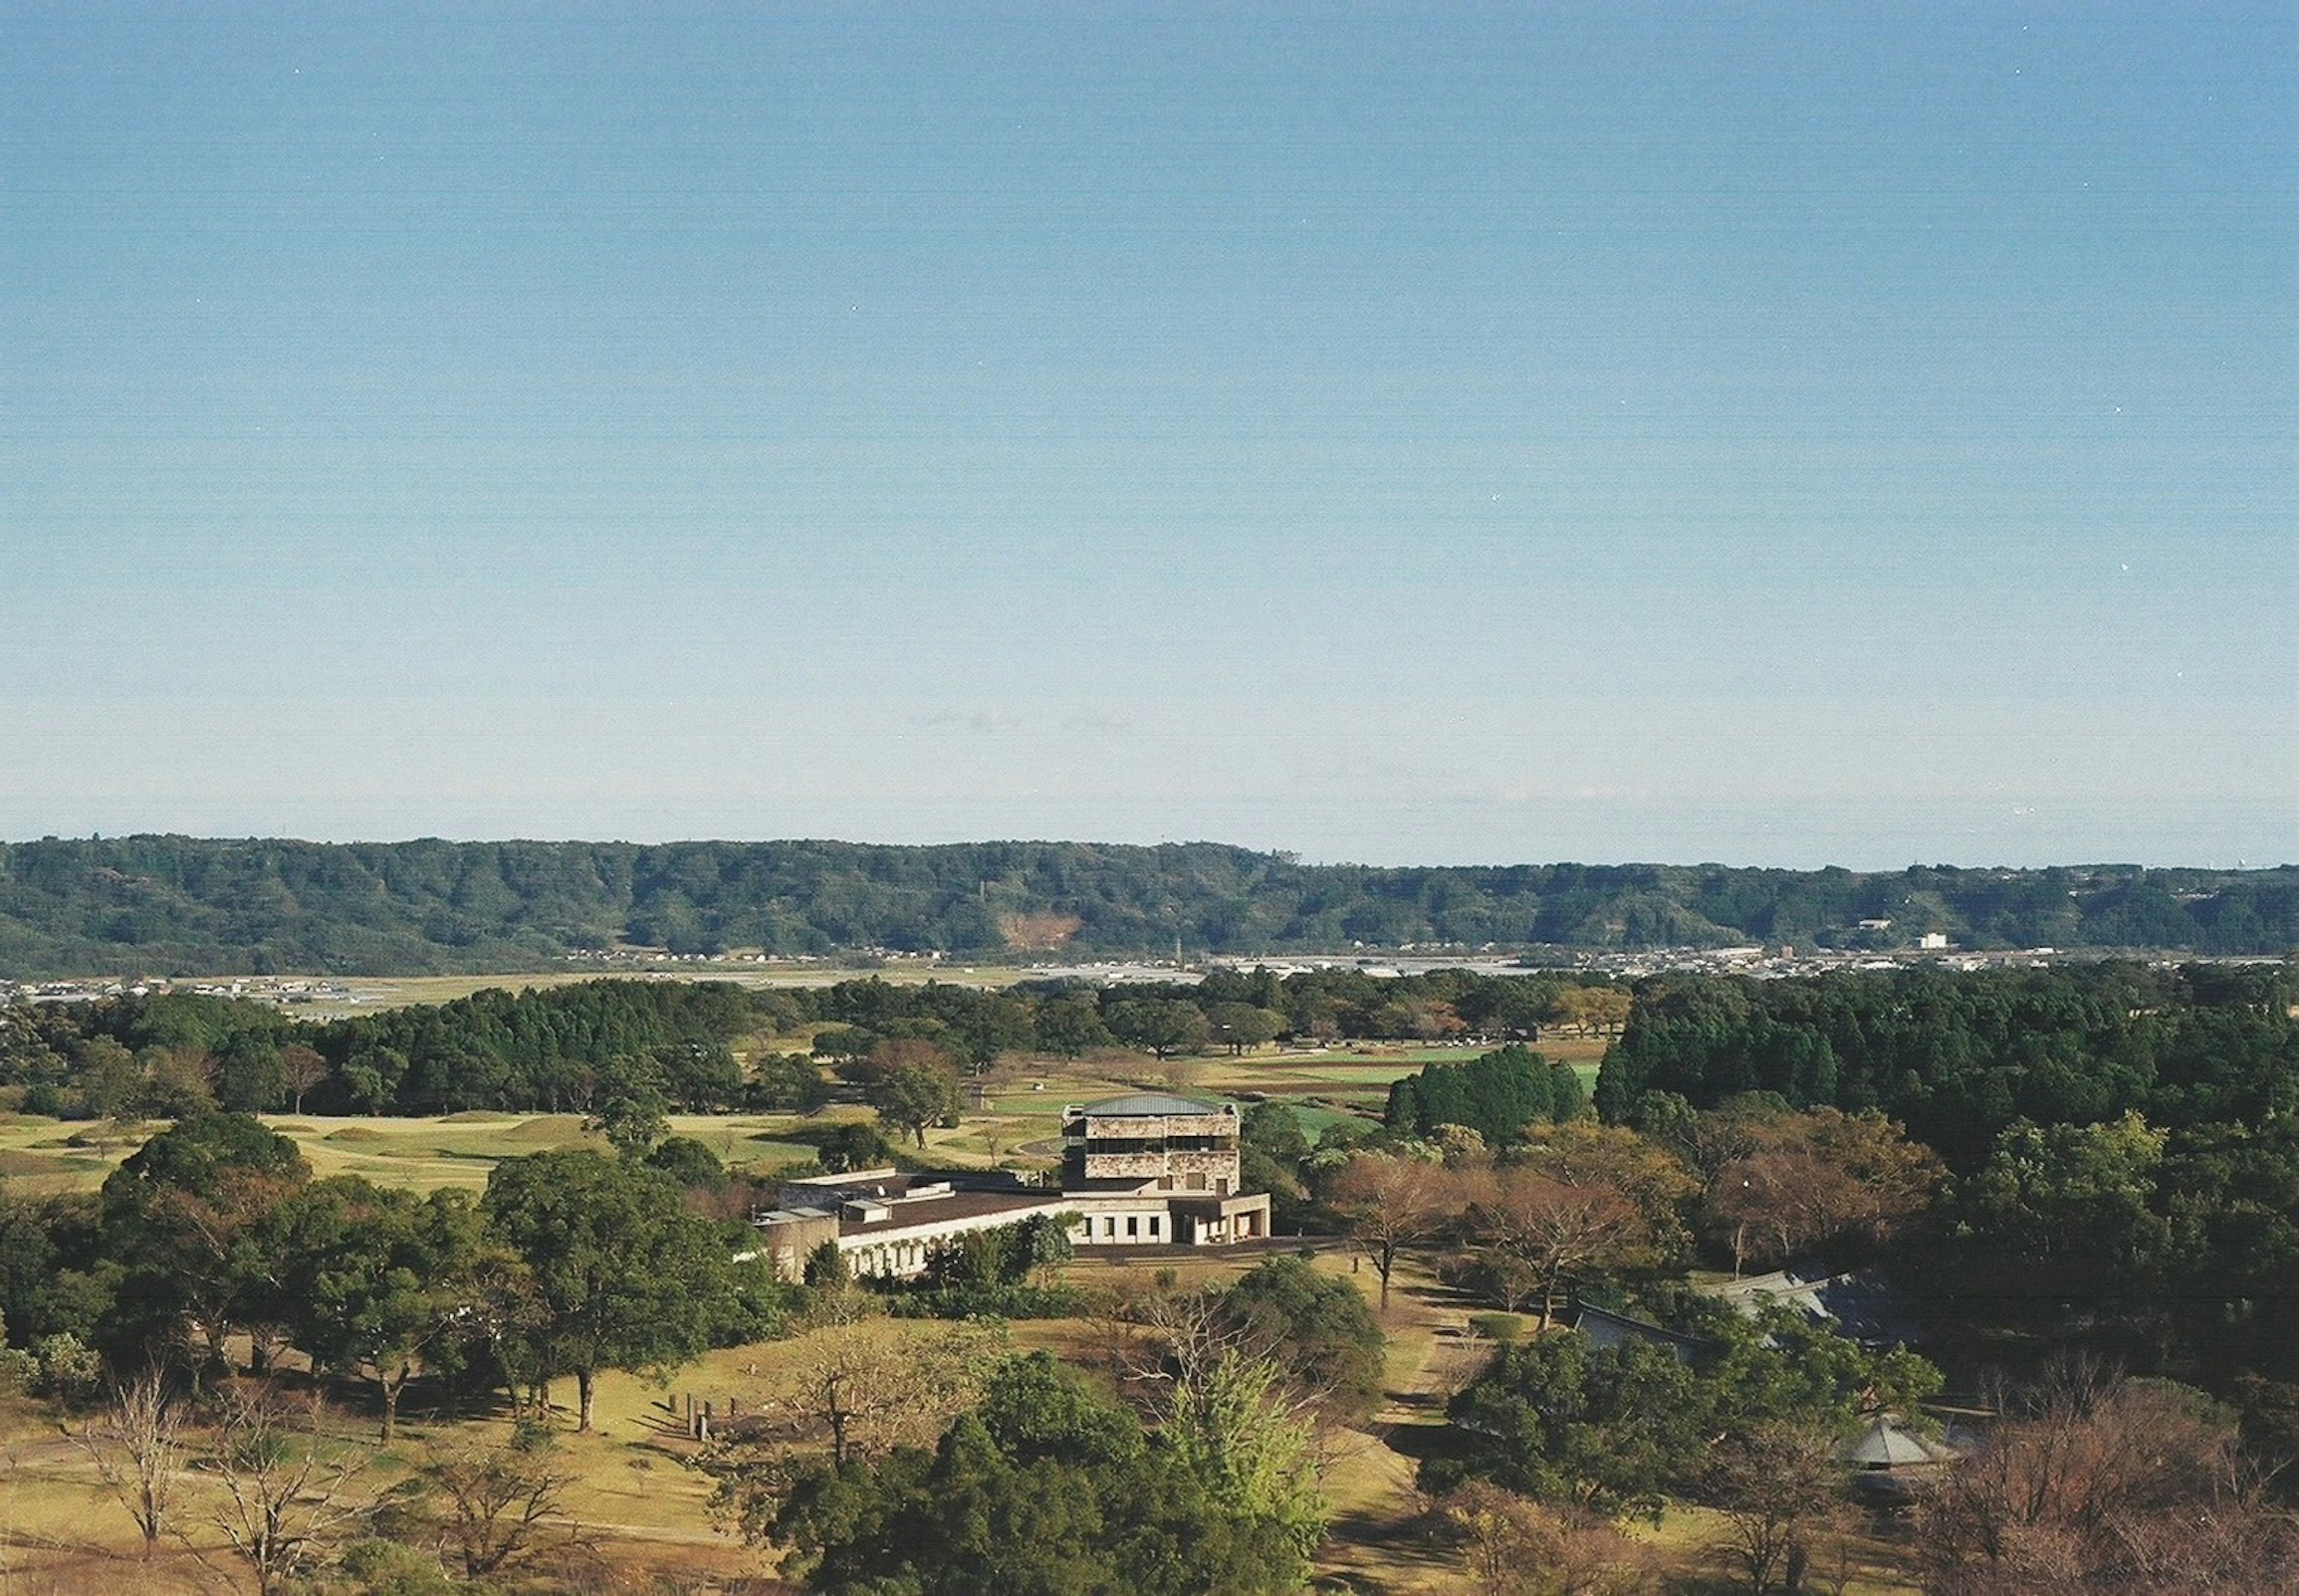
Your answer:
<point x="991" y="1301"/>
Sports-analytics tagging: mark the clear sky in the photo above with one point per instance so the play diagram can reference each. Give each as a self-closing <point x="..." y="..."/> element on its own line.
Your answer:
<point x="1789" y="435"/>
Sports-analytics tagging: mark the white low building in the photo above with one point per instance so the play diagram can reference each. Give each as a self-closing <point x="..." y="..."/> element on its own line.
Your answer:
<point x="1144" y="1171"/>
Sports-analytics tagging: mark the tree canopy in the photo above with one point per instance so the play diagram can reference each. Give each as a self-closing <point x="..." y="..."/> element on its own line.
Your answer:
<point x="166" y="904"/>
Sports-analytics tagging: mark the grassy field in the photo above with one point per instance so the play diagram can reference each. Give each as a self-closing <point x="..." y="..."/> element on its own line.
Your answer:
<point x="1020" y="1119"/>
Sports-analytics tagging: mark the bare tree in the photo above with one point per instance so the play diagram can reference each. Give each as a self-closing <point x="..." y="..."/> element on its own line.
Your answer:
<point x="868" y="1384"/>
<point x="1775" y="1486"/>
<point x="1554" y="1227"/>
<point x="301" y="1068"/>
<point x="1516" y="1547"/>
<point x="1390" y="1203"/>
<point x="1801" y="1179"/>
<point x="495" y="1502"/>
<point x="1228" y="1411"/>
<point x="137" y="1451"/>
<point x="2095" y="1483"/>
<point x="862" y="1382"/>
<point x="286" y="1481"/>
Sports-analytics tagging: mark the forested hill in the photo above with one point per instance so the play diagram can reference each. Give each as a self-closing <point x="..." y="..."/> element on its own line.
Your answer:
<point x="173" y="904"/>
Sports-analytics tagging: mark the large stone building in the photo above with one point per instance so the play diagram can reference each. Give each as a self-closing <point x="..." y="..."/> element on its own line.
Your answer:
<point x="1179" y="1145"/>
<point x="1144" y="1171"/>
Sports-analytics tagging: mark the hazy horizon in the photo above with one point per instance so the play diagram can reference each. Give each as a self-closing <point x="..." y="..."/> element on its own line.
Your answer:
<point x="1786" y="436"/>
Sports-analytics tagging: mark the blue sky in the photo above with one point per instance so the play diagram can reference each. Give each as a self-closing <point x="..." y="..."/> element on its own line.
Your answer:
<point x="1778" y="434"/>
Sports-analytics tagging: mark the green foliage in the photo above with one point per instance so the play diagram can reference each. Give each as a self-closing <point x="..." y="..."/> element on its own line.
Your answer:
<point x="1036" y="1411"/>
<point x="1272" y="1149"/>
<point x="132" y="904"/>
<point x="1611" y="1430"/>
<point x="995" y="1302"/>
<point x="2058" y="1209"/>
<point x="1617" y="1429"/>
<point x="632" y="1114"/>
<point x="1046" y="1490"/>
<point x="688" y="1163"/>
<point x="1227" y="1413"/>
<point x="191" y="1218"/>
<point x="1319" y="1328"/>
<point x="790" y="1083"/>
<point x="1956" y="1057"/>
<point x="1497" y="1094"/>
<point x="196" y="1155"/>
<point x="380" y="1567"/>
<point x="846" y="1148"/>
<point x="1005" y="1255"/>
<point x="1163" y="1027"/>
<point x="914" y="1096"/>
<point x="655" y="1045"/>
<point x="1238" y="1026"/>
<point x="826" y="1268"/>
<point x="378" y="1281"/>
<point x="1273" y="1129"/>
<point x="621" y="1278"/>
<point x="1071" y="1025"/>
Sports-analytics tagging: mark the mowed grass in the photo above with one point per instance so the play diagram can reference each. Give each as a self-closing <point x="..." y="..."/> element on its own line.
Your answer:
<point x="40" y="1156"/>
<point x="1022" y="1115"/>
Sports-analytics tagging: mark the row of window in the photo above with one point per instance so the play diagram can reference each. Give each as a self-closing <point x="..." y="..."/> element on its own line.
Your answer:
<point x="1133" y="1231"/>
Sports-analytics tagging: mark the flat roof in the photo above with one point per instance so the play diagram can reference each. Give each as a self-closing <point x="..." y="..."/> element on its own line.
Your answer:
<point x="939" y="1210"/>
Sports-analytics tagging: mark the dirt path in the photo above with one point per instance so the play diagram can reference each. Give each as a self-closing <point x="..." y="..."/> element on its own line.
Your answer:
<point x="1378" y="1545"/>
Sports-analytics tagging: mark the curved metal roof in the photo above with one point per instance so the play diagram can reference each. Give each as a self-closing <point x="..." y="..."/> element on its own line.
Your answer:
<point x="1148" y="1105"/>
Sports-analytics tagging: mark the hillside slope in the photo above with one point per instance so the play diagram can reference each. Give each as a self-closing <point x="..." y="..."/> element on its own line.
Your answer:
<point x="175" y="904"/>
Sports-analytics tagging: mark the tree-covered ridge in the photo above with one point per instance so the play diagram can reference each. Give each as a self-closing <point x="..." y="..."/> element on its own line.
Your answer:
<point x="173" y="904"/>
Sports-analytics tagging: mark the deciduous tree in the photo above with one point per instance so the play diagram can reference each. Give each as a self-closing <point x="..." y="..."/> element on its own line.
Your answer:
<point x="1391" y="1202"/>
<point x="1555" y="1230"/>
<point x="286" y="1485"/>
<point x="137" y="1450"/>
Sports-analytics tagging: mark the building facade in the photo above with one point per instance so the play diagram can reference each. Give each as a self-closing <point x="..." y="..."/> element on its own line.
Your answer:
<point x="1149" y="1170"/>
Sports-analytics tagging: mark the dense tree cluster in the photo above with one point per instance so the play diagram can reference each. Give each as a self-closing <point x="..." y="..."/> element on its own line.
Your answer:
<point x="930" y="1470"/>
<point x="1045" y="1489"/>
<point x="654" y="1046"/>
<point x="2093" y="1482"/>
<point x="1617" y="1429"/>
<point x="628" y="1050"/>
<point x="215" y="1229"/>
<point x="169" y="904"/>
<point x="1316" y="1326"/>
<point x="1958" y="1057"/>
<point x="1497" y="1094"/>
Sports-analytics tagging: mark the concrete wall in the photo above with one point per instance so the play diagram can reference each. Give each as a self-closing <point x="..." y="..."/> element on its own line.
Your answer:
<point x="788" y="1243"/>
